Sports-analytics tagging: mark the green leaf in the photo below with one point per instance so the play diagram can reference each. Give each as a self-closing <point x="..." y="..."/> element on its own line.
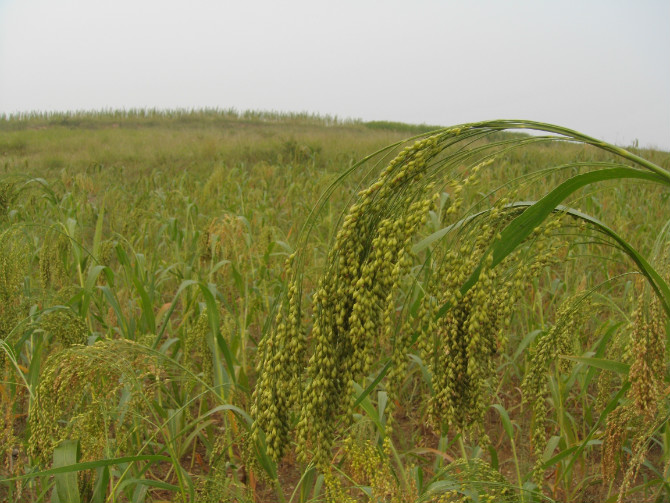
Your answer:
<point x="67" y="487"/>
<point x="227" y="375"/>
<point x="552" y="443"/>
<point x="525" y="342"/>
<point x="146" y="303"/>
<point x="560" y="456"/>
<point x="657" y="282"/>
<point x="266" y="462"/>
<point x="522" y="226"/>
<point x="184" y="284"/>
<point x="101" y="485"/>
<point x="501" y="125"/>
<point x="121" y="319"/>
<point x="432" y="238"/>
<point x="373" y="384"/>
<point x="97" y="237"/>
<point x="88" y="465"/>
<point x="369" y="409"/>
<point x="601" y="363"/>
<point x="382" y="400"/>
<point x="600" y="347"/>
<point x="507" y="423"/>
<point x="241" y="413"/>
<point x="152" y="483"/>
<point x="89" y="284"/>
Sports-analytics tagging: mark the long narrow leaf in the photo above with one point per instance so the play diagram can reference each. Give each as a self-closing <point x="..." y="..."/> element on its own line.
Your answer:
<point x="89" y="465"/>
<point x="601" y="363"/>
<point x="67" y="487"/>
<point x="522" y="226"/>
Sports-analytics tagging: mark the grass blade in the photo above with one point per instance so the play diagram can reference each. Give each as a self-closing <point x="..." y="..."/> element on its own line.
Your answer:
<point x="67" y="487"/>
<point x="522" y="226"/>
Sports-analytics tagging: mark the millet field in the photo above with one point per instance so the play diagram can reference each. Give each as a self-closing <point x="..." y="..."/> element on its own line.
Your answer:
<point x="214" y="306"/>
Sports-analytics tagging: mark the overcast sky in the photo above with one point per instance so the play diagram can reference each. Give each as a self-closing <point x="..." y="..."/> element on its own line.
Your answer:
<point x="599" y="66"/>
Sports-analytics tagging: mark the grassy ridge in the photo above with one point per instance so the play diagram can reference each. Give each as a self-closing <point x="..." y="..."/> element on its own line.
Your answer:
<point x="142" y="256"/>
<point x="146" y="140"/>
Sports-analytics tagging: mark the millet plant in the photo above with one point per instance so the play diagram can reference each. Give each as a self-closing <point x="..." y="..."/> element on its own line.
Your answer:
<point x="448" y="297"/>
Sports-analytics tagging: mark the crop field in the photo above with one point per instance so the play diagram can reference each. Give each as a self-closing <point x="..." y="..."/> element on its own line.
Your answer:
<point x="213" y="306"/>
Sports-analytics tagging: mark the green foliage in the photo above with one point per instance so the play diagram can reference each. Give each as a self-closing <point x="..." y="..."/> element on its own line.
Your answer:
<point x="462" y="315"/>
<point x="67" y="487"/>
<point x="167" y="276"/>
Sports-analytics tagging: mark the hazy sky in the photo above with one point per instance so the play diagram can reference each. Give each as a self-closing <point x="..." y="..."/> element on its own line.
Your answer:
<point x="601" y="67"/>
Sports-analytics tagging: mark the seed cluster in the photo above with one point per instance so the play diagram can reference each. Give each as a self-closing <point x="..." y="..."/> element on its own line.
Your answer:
<point x="351" y="310"/>
<point x="637" y="418"/>
<point x="197" y="355"/>
<point x="218" y="240"/>
<point x="14" y="308"/>
<point x="475" y="480"/>
<point x="557" y="341"/>
<point x="335" y="490"/>
<point x="52" y="259"/>
<point x="368" y="465"/>
<point x="73" y="396"/>
<point x="8" y="194"/>
<point x="354" y="310"/>
<point x="8" y="437"/>
<point x="354" y="302"/>
<point x="648" y="368"/>
<point x="13" y="268"/>
<point x="460" y="347"/>
<point x="65" y="327"/>
<point x="278" y="389"/>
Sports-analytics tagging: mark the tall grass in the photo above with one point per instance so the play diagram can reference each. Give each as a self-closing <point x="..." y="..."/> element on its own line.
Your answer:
<point x="484" y="317"/>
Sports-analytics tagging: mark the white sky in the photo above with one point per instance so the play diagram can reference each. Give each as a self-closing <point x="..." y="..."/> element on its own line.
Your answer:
<point x="599" y="66"/>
